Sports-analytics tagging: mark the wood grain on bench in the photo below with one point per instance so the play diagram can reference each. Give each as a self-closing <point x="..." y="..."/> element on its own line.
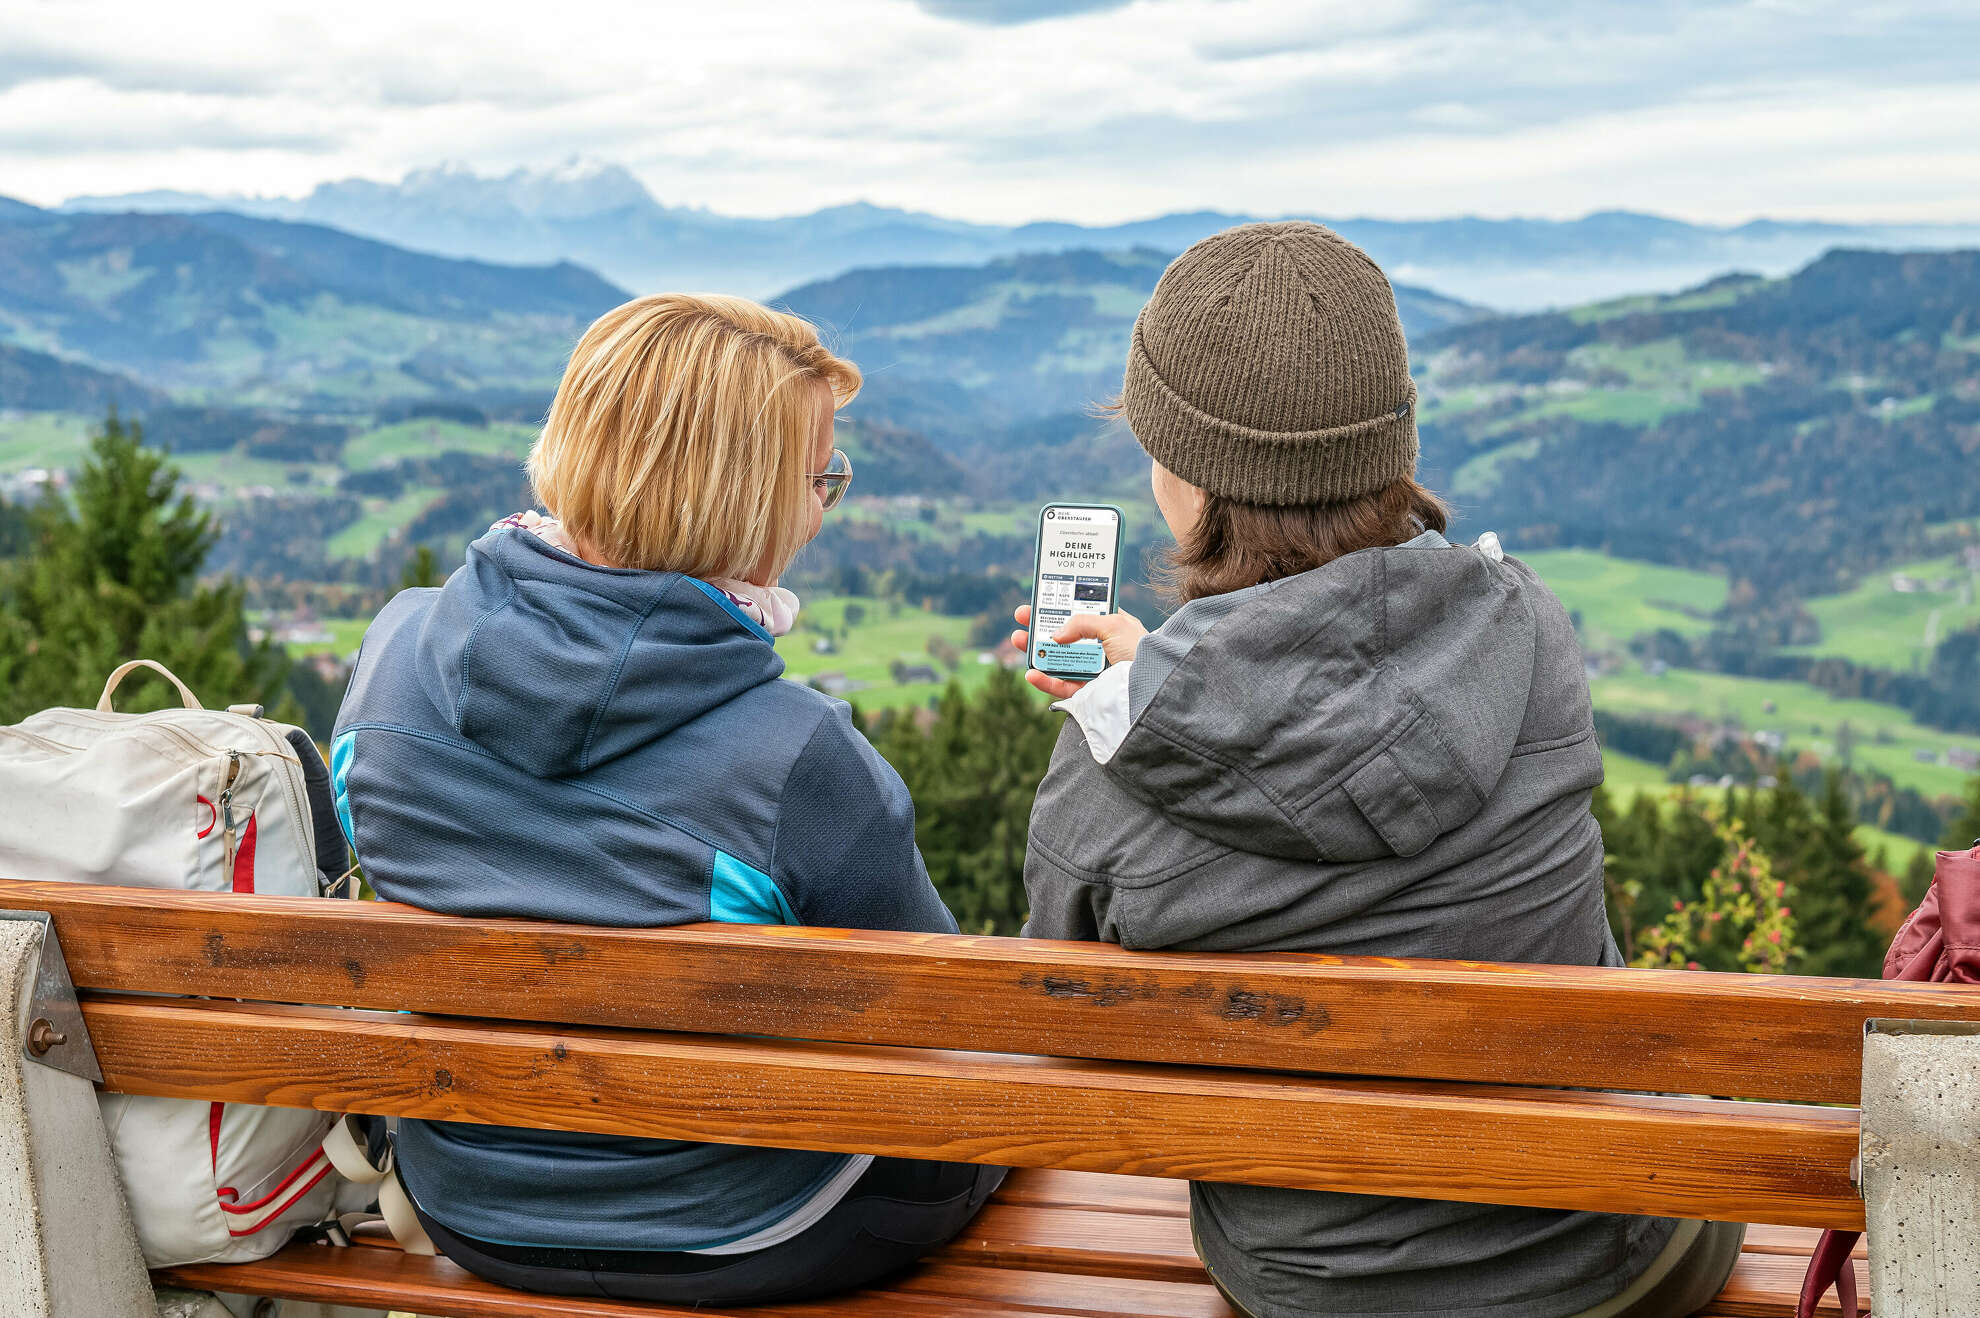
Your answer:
<point x="1009" y="1260"/>
<point x="1742" y="1036"/>
<point x="440" y="1289"/>
<point x="1545" y="1148"/>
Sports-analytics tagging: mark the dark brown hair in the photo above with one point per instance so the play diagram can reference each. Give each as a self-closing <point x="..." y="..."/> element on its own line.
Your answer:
<point x="1234" y="545"/>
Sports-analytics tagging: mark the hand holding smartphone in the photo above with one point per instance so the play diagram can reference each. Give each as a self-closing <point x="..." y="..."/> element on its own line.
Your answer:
<point x="1076" y="570"/>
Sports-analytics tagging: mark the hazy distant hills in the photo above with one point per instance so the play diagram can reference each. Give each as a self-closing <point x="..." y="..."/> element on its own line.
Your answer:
<point x="36" y="382"/>
<point x="604" y="218"/>
<point x="222" y="308"/>
<point x="956" y="351"/>
<point x="1790" y="431"/>
<point x="248" y="309"/>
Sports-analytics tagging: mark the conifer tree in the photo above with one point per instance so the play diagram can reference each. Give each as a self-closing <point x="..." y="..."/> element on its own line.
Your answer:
<point x="1964" y="831"/>
<point x="422" y="570"/>
<point x="1917" y="878"/>
<point x="1656" y="853"/>
<point x="973" y="770"/>
<point x="13" y="530"/>
<point x="1815" y="845"/>
<point x="113" y="575"/>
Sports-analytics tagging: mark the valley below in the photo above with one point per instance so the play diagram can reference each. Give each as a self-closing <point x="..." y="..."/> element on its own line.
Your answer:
<point x="1756" y="496"/>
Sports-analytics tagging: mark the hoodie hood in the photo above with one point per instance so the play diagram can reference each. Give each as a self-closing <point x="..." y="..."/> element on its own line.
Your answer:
<point x="1354" y="712"/>
<point x="556" y="666"/>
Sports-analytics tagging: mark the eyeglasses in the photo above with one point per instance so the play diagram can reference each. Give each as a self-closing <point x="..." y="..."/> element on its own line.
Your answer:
<point x="832" y="482"/>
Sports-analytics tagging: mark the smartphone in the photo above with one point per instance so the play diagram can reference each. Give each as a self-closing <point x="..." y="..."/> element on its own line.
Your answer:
<point x="1077" y="570"/>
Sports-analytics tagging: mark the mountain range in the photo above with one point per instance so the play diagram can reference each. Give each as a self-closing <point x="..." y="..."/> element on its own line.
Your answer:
<point x="243" y="309"/>
<point x="220" y="308"/>
<point x="1790" y="432"/>
<point x="959" y="353"/>
<point x="603" y="217"/>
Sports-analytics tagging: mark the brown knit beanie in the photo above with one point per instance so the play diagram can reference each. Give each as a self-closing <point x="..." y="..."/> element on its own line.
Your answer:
<point x="1269" y="367"/>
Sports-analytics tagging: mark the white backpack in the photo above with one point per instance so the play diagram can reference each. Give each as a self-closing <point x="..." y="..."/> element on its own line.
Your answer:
<point x="209" y="801"/>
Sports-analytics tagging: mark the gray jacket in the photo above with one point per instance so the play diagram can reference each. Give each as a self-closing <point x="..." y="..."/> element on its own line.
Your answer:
<point x="1389" y="755"/>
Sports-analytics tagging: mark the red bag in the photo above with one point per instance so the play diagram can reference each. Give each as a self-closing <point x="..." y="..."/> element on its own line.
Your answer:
<point x="1940" y="942"/>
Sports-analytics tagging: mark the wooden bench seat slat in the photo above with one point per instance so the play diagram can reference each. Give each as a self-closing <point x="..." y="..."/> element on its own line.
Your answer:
<point x="1767" y="1239"/>
<point x="1699" y="1158"/>
<point x="1070" y="1240"/>
<point x="1766" y="1286"/>
<point x="437" y="1288"/>
<point x="1011" y="1259"/>
<point x="1051" y="1187"/>
<point x="1084" y="1294"/>
<point x="1746" y="1036"/>
<point x="1762" y="1286"/>
<point x="1109" y="1229"/>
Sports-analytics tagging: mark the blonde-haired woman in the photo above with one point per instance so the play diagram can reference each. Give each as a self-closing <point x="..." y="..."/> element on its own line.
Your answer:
<point x="585" y="724"/>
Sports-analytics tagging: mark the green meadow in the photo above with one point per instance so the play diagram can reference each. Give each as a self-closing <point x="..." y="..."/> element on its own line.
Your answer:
<point x="1632" y="385"/>
<point x="381" y="519"/>
<point x="1886" y="739"/>
<point x="43" y="439"/>
<point x="57" y="440"/>
<point x="865" y="651"/>
<point x="423" y="438"/>
<point x="1878" y="625"/>
<point x="1618" y="598"/>
<point x="345" y="633"/>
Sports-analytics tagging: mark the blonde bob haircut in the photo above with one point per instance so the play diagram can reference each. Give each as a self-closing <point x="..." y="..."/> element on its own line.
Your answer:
<point x="680" y="438"/>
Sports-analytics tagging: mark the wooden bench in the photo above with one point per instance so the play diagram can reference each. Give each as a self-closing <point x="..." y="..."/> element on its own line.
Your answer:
<point x="1091" y="1067"/>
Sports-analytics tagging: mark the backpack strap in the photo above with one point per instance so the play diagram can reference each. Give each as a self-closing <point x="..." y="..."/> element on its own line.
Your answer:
<point x="124" y="670"/>
<point x="1830" y="1266"/>
<point x="354" y="1163"/>
<point x="331" y="857"/>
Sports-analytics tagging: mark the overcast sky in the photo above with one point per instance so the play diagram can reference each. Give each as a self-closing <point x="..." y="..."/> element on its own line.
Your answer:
<point x="1092" y="110"/>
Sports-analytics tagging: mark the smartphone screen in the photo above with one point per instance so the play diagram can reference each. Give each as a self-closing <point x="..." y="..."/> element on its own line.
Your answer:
<point x="1077" y="571"/>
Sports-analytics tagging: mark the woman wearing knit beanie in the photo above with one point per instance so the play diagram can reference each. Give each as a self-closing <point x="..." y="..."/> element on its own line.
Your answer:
<point x="1353" y="737"/>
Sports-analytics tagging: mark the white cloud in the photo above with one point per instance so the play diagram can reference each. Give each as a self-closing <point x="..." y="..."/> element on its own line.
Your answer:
<point x="1711" y="109"/>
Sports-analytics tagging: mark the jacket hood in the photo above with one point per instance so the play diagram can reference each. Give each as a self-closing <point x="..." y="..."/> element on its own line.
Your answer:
<point x="1354" y="712"/>
<point x="556" y="666"/>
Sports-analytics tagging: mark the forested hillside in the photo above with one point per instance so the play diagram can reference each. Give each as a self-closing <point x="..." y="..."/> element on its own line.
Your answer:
<point x="1792" y="434"/>
<point x="38" y="382"/>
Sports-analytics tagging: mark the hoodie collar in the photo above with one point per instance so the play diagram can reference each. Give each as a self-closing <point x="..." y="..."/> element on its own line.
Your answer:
<point x="1378" y="694"/>
<point x="556" y="665"/>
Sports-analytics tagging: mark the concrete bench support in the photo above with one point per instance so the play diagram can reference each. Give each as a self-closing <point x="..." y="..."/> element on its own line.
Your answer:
<point x="67" y="1249"/>
<point x="1921" y="1167"/>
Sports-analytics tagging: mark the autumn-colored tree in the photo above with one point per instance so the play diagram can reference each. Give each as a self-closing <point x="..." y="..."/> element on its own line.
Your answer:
<point x="1742" y="921"/>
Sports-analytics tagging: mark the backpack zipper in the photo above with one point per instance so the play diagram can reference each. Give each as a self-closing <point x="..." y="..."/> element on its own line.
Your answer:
<point x="229" y="837"/>
<point x="33" y="739"/>
<point x="90" y="718"/>
<point x="280" y="747"/>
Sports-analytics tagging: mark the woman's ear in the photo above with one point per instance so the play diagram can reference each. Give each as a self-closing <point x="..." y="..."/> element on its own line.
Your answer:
<point x="1180" y="502"/>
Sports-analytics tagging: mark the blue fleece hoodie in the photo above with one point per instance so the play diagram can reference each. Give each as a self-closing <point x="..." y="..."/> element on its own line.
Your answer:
<point x="541" y="737"/>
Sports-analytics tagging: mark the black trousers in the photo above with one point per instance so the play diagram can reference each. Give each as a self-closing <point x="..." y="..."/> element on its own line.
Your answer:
<point x="898" y="1211"/>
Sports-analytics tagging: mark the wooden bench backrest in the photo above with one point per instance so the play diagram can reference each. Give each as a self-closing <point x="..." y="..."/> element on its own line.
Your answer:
<point x="1781" y="1037"/>
<point x="552" y="1026"/>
